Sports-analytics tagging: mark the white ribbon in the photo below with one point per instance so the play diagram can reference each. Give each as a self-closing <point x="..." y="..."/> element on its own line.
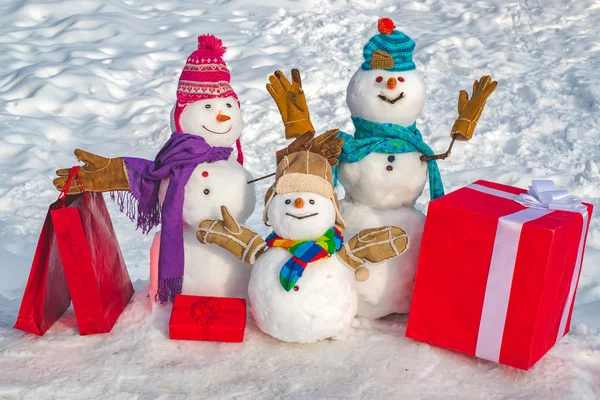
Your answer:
<point x="544" y="195"/>
<point x="542" y="199"/>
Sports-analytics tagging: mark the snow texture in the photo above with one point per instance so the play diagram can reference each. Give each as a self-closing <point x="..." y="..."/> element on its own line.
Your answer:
<point x="101" y="75"/>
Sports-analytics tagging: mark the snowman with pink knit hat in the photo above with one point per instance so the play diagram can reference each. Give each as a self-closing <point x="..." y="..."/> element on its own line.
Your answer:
<point x="192" y="176"/>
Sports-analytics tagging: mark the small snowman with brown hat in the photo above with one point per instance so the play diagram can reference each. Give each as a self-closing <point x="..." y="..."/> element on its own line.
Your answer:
<point x="298" y="292"/>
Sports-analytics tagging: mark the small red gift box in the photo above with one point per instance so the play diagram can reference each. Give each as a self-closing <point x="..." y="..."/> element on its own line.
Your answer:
<point x="211" y="319"/>
<point x="497" y="278"/>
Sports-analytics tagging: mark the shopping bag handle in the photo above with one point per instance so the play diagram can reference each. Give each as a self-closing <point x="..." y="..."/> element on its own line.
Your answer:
<point x="73" y="174"/>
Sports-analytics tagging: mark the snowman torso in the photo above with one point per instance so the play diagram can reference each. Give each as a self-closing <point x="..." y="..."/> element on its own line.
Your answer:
<point x="385" y="181"/>
<point x="210" y="270"/>
<point x="323" y="307"/>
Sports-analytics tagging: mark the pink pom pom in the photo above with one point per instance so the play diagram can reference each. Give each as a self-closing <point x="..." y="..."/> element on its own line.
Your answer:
<point x="211" y="43"/>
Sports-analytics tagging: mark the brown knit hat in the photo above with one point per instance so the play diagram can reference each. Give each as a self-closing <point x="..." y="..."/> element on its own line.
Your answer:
<point x="304" y="171"/>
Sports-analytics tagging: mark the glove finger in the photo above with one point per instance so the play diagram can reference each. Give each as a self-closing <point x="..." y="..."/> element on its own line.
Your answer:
<point x="486" y="81"/>
<point x="283" y="80"/>
<point x="326" y="137"/>
<point x="463" y="99"/>
<point x="90" y="159"/>
<point x="229" y="222"/>
<point x="303" y="141"/>
<point x="490" y="89"/>
<point x="332" y="153"/>
<point x="333" y="161"/>
<point x="337" y="142"/>
<point x="271" y="89"/>
<point x="63" y="172"/>
<point x="475" y="86"/>
<point x="296" y="77"/>
<point x="483" y="82"/>
<point x="60" y="183"/>
<point x="276" y="84"/>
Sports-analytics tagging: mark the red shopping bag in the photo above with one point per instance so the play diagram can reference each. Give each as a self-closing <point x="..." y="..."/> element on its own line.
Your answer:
<point x="80" y="247"/>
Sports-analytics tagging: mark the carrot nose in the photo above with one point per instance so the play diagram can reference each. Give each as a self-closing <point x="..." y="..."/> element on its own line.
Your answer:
<point x="391" y="83"/>
<point x="299" y="202"/>
<point x="223" y="117"/>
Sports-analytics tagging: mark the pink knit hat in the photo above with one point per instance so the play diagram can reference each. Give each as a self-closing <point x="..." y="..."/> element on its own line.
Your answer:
<point x="205" y="76"/>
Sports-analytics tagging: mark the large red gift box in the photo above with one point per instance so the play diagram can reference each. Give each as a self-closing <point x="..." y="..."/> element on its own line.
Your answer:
<point x="496" y="278"/>
<point x="212" y="319"/>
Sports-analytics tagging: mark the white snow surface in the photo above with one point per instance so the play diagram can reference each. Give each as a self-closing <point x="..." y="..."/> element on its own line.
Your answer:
<point x="101" y="75"/>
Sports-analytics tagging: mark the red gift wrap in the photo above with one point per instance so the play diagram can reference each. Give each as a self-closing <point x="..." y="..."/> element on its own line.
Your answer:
<point x="497" y="279"/>
<point x="210" y="319"/>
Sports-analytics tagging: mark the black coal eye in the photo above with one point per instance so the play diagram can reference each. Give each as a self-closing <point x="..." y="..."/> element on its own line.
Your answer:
<point x="228" y="105"/>
<point x="288" y="201"/>
<point x="207" y="106"/>
<point x="206" y="191"/>
<point x="391" y="158"/>
<point x="311" y="201"/>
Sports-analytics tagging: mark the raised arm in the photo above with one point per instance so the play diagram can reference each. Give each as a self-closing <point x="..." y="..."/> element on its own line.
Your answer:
<point x="469" y="112"/>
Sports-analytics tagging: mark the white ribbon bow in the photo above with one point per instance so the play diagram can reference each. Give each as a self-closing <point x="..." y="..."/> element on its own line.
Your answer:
<point x="544" y="195"/>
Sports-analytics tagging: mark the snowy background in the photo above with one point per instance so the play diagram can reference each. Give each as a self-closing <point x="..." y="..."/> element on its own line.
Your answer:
<point x="101" y="75"/>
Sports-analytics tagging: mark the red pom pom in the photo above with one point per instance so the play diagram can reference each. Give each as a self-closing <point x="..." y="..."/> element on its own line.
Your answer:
<point x="385" y="26"/>
<point x="211" y="43"/>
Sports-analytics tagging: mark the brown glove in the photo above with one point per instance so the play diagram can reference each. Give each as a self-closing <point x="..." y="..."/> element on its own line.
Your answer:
<point x="469" y="111"/>
<point x="328" y="145"/>
<point x="291" y="101"/>
<point x="373" y="245"/>
<point x="98" y="174"/>
<point x="239" y="240"/>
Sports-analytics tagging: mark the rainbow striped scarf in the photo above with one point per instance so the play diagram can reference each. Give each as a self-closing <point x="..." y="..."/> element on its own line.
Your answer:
<point x="304" y="252"/>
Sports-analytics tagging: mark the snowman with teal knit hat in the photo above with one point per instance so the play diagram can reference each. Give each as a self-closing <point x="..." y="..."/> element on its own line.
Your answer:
<point x="385" y="164"/>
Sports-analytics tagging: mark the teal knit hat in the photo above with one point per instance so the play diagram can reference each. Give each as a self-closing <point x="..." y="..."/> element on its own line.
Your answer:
<point x="390" y="50"/>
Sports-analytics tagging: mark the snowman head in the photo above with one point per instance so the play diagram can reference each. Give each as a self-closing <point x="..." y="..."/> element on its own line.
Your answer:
<point x="302" y="204"/>
<point x="385" y="96"/>
<point x="217" y="120"/>
<point x="206" y="105"/>
<point x="387" y="88"/>
<point x="301" y="215"/>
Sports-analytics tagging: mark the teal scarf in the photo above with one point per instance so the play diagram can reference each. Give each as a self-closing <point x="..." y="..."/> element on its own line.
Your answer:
<point x="372" y="137"/>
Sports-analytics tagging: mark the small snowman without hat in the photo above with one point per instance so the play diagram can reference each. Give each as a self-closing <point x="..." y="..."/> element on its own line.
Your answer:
<point x="192" y="176"/>
<point x="385" y="164"/>
<point x="298" y="292"/>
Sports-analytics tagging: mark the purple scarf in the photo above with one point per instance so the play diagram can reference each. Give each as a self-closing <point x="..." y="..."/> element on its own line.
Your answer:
<point x="176" y="160"/>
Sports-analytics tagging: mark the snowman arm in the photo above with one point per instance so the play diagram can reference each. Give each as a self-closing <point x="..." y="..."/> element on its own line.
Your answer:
<point x="98" y="174"/>
<point x="441" y="156"/>
<point x="372" y="245"/>
<point x="239" y="240"/>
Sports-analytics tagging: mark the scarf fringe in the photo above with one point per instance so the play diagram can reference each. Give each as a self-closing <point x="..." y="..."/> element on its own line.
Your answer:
<point x="129" y="205"/>
<point x="168" y="288"/>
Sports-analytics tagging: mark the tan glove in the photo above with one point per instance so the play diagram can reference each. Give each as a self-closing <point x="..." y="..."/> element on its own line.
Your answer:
<point x="291" y="102"/>
<point x="239" y="240"/>
<point x="98" y="174"/>
<point x="373" y="245"/>
<point x="469" y="111"/>
<point x="328" y="145"/>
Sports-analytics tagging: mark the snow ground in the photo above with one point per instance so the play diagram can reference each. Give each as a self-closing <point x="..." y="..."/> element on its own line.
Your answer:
<point x="101" y="75"/>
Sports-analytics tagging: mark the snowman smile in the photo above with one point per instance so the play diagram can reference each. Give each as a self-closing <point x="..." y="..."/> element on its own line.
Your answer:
<point x="301" y="216"/>
<point x="218" y="133"/>
<point x="391" y="101"/>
